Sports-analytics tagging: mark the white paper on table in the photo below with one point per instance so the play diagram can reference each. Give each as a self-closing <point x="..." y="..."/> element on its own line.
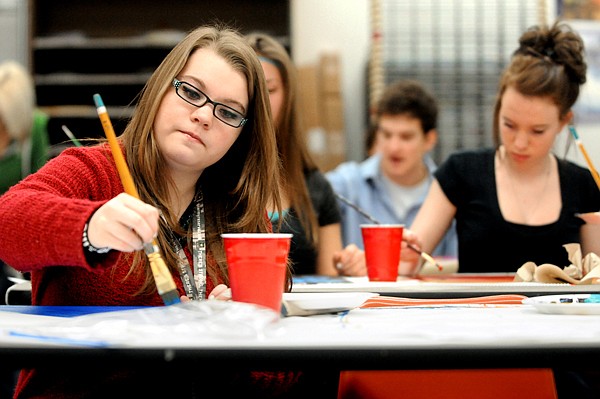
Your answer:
<point x="218" y="324"/>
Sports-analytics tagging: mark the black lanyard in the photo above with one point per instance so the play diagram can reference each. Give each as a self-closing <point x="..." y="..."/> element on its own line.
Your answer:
<point x="194" y="284"/>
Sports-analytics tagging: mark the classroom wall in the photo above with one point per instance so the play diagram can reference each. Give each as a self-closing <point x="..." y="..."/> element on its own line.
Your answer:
<point x="340" y="26"/>
<point x="13" y="31"/>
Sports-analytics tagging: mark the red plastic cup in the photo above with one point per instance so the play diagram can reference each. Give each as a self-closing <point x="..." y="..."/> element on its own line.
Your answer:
<point x="382" y="243"/>
<point x="257" y="265"/>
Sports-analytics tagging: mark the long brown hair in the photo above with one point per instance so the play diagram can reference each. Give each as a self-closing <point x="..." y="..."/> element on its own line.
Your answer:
<point x="548" y="63"/>
<point x="291" y="143"/>
<point x="237" y="188"/>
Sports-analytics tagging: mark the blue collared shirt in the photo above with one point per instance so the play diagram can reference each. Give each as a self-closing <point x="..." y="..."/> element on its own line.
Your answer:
<point x="362" y="183"/>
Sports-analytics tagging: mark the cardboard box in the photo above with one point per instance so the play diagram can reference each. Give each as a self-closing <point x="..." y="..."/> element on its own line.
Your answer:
<point x="330" y="73"/>
<point x="322" y="110"/>
<point x="308" y="97"/>
<point x="332" y="112"/>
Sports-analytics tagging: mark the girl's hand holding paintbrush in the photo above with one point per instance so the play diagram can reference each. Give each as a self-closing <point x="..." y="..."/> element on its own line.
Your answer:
<point x="409" y="258"/>
<point x="124" y="223"/>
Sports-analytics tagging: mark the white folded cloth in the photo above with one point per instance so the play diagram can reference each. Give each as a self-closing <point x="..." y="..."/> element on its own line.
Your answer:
<point x="582" y="270"/>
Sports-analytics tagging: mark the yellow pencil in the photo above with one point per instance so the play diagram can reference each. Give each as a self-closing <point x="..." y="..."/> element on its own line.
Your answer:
<point x="588" y="160"/>
<point x="164" y="281"/>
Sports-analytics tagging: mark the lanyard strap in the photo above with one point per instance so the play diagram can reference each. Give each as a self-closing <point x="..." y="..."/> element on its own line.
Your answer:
<point x="195" y="288"/>
<point x="199" y="246"/>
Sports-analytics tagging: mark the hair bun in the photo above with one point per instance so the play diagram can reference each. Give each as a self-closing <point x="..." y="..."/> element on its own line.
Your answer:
<point x="548" y="52"/>
<point x="559" y="44"/>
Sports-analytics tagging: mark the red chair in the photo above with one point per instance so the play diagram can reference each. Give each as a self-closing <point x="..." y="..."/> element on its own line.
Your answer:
<point x="448" y="384"/>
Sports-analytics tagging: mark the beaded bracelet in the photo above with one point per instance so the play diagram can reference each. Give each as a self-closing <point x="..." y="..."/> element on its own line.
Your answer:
<point x="88" y="245"/>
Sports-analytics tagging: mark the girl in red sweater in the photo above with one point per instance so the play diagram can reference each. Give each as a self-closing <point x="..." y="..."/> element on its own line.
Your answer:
<point x="202" y="153"/>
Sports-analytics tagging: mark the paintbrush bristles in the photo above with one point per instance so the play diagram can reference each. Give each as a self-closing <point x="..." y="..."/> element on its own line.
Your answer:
<point x="429" y="259"/>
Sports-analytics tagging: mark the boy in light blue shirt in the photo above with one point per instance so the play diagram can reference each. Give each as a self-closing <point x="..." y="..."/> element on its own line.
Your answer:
<point x="392" y="184"/>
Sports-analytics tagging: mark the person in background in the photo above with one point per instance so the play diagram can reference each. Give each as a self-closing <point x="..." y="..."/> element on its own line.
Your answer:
<point x="518" y="202"/>
<point x="202" y="152"/>
<point x="392" y="183"/>
<point x="311" y="211"/>
<point x="24" y="139"/>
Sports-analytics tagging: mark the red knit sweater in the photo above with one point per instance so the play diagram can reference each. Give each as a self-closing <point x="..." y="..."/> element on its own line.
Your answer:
<point x="41" y="229"/>
<point x="42" y="224"/>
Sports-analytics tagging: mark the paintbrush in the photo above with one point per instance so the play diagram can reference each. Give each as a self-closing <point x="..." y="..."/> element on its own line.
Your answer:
<point x="352" y="205"/>
<point x="162" y="277"/>
<point x="71" y="136"/>
<point x="593" y="170"/>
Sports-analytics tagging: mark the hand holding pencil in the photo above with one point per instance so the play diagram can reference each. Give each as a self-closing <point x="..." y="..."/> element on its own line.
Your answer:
<point x="164" y="281"/>
<point x="123" y="223"/>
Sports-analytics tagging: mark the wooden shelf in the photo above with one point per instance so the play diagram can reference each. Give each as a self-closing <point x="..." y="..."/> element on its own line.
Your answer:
<point x="153" y="39"/>
<point x="83" y="111"/>
<point x="75" y="79"/>
<point x="79" y="48"/>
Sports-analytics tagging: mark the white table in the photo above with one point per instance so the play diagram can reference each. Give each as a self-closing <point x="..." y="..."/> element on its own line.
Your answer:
<point x="240" y="335"/>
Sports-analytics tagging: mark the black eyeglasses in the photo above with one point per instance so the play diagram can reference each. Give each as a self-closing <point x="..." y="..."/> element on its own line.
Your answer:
<point x="193" y="95"/>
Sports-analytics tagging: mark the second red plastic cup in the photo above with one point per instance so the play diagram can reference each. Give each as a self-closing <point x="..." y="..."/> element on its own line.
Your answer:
<point x="382" y="243"/>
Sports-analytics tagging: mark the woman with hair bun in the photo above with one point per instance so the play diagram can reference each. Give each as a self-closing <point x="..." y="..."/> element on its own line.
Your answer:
<point x="518" y="202"/>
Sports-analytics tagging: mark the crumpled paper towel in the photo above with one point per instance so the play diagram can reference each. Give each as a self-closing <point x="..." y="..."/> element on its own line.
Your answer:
<point x="580" y="271"/>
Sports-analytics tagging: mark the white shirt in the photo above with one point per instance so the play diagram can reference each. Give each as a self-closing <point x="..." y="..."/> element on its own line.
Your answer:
<point x="403" y="198"/>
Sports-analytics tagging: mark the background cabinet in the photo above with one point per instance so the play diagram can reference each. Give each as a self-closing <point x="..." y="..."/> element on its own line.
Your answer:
<point x="111" y="47"/>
